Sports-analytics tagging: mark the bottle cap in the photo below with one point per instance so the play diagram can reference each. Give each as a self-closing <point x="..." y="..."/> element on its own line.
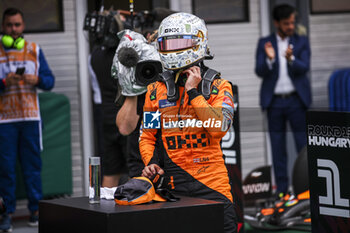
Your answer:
<point x="94" y="160"/>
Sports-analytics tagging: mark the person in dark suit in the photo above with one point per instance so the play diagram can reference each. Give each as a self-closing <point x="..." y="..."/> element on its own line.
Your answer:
<point x="283" y="62"/>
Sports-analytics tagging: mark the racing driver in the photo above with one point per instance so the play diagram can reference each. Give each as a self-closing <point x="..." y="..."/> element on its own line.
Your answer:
<point x="191" y="109"/>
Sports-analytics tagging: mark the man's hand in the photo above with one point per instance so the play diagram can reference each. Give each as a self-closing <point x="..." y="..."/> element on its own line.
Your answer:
<point x="13" y="79"/>
<point x="289" y="53"/>
<point x="193" y="77"/>
<point x="30" y="79"/>
<point x="127" y="117"/>
<point x="270" y="51"/>
<point x="152" y="169"/>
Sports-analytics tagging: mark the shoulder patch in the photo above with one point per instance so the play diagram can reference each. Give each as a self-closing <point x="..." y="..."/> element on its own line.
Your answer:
<point x="153" y="95"/>
<point x="151" y="87"/>
<point x="228" y="94"/>
<point x="217" y="82"/>
<point x="214" y="90"/>
<point x="227" y="107"/>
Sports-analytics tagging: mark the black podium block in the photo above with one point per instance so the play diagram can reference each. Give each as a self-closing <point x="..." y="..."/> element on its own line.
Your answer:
<point x="189" y="215"/>
<point x="329" y="164"/>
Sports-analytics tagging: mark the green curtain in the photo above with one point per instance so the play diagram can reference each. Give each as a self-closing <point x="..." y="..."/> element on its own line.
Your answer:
<point x="56" y="155"/>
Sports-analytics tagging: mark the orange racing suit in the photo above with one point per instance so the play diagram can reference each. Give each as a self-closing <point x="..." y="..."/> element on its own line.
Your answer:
<point x="191" y="130"/>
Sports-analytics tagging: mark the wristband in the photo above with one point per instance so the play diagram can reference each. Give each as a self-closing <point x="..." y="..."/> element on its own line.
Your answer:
<point x="193" y="93"/>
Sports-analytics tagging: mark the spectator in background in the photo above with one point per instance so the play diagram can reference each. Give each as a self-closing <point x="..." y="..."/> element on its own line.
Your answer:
<point x="283" y="61"/>
<point x="129" y="118"/>
<point x="23" y="69"/>
<point x="132" y="48"/>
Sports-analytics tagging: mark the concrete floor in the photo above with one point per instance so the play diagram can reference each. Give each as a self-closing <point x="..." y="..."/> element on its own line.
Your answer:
<point x="20" y="226"/>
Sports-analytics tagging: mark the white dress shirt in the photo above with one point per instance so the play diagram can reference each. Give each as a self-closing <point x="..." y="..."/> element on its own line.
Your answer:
<point x="284" y="83"/>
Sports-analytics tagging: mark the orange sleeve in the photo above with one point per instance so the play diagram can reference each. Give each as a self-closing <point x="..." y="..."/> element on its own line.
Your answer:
<point x="148" y="136"/>
<point x="218" y="107"/>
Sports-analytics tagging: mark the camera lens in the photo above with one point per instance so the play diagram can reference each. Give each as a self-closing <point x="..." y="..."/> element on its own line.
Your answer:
<point x="148" y="71"/>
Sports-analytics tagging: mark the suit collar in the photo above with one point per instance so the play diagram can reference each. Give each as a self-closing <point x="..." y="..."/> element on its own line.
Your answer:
<point x="280" y="38"/>
<point x="294" y="36"/>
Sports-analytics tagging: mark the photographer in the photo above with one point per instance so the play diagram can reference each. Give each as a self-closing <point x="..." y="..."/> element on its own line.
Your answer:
<point x="128" y="95"/>
<point x="133" y="48"/>
<point x="23" y="69"/>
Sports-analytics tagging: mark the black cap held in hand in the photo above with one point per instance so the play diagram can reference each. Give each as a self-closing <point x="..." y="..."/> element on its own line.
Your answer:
<point x="128" y="56"/>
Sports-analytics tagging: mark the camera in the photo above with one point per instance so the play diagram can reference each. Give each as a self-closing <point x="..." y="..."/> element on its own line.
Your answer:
<point x="103" y="29"/>
<point x="148" y="72"/>
<point x="103" y="26"/>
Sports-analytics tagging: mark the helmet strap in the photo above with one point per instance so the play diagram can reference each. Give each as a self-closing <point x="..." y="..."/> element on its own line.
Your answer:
<point x="172" y="89"/>
<point x="207" y="79"/>
<point x="177" y="75"/>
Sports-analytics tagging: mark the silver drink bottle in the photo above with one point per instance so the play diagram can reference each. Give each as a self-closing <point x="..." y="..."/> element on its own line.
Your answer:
<point x="95" y="180"/>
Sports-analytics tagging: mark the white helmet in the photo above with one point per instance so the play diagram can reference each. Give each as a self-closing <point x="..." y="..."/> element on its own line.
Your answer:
<point x="182" y="40"/>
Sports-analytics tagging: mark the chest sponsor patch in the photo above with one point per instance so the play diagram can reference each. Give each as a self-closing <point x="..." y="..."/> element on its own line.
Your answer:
<point x="165" y="103"/>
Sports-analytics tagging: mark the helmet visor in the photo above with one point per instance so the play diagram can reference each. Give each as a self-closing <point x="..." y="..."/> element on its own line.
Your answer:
<point x="172" y="43"/>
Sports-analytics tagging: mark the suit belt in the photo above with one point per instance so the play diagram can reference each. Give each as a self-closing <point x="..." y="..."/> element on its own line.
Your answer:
<point x="284" y="96"/>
